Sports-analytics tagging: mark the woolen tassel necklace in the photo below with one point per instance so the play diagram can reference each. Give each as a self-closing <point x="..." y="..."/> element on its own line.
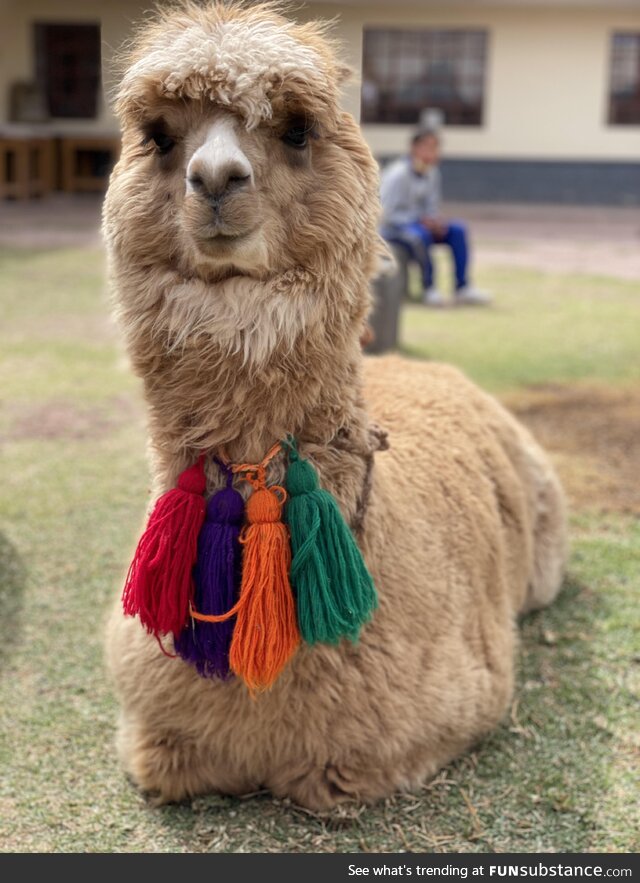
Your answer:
<point x="226" y="616"/>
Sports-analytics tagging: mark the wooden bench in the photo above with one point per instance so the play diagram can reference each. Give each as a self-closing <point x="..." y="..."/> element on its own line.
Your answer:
<point x="26" y="166"/>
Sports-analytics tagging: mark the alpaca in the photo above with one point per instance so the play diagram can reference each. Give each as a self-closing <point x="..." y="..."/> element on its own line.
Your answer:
<point x="241" y="225"/>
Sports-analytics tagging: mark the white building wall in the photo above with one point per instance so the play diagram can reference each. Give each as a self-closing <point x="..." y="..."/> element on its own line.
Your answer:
<point x="547" y="78"/>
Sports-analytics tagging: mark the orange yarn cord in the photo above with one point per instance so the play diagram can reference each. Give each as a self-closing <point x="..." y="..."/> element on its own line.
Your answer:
<point x="266" y="632"/>
<point x="256" y="473"/>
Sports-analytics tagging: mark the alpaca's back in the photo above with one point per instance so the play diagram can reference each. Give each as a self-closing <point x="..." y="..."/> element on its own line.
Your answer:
<point x="455" y="451"/>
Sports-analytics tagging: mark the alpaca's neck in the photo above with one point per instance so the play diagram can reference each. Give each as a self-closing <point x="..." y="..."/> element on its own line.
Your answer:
<point x="213" y="401"/>
<point x="204" y="395"/>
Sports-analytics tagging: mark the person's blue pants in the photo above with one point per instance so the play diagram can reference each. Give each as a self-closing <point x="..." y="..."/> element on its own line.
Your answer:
<point x="418" y="240"/>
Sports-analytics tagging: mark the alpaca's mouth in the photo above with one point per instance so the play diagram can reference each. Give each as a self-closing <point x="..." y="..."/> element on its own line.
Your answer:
<point x="217" y="239"/>
<point x="217" y="244"/>
<point x="221" y="246"/>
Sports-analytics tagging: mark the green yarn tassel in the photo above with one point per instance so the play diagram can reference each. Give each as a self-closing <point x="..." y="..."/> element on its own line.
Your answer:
<point x="334" y="591"/>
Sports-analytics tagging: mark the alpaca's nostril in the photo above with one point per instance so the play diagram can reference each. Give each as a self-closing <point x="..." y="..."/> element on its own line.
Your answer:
<point x="237" y="180"/>
<point x="196" y="181"/>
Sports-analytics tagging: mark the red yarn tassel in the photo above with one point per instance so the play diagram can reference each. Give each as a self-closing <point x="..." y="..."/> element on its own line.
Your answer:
<point x="158" y="587"/>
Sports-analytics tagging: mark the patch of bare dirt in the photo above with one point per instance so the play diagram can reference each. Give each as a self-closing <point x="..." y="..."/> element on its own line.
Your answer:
<point x="620" y="261"/>
<point x="61" y="419"/>
<point x="593" y="436"/>
<point x="596" y="240"/>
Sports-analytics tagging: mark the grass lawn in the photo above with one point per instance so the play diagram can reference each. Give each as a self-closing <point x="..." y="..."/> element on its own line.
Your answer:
<point x="558" y="775"/>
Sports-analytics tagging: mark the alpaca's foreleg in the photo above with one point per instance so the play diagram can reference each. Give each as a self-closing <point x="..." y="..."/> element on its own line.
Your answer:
<point x="169" y="766"/>
<point x="324" y="787"/>
<point x="321" y="787"/>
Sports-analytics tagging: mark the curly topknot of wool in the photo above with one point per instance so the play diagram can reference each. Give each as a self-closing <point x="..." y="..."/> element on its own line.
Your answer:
<point x="231" y="64"/>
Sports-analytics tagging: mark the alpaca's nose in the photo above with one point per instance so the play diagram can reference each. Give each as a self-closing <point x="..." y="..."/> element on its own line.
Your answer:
<point x="217" y="182"/>
<point x="219" y="167"/>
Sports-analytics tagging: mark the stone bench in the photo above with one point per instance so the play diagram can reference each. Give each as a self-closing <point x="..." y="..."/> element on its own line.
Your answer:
<point x="389" y="291"/>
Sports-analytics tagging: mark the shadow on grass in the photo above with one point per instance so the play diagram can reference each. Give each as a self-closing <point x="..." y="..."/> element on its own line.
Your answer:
<point x="534" y="784"/>
<point x="13" y="577"/>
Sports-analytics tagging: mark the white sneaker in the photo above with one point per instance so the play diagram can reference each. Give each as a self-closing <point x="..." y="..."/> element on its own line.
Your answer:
<point x="432" y="298"/>
<point x="468" y="296"/>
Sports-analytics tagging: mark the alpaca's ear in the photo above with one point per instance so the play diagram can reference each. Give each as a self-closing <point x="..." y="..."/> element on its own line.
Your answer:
<point x="344" y="73"/>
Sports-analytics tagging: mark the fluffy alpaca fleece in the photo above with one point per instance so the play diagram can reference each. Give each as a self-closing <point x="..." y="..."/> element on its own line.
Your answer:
<point x="461" y="521"/>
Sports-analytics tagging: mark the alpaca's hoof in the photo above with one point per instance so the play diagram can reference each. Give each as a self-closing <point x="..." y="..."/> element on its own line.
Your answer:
<point x="152" y="797"/>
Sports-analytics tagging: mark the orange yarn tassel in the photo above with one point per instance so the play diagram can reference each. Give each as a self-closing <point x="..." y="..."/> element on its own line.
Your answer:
<point x="266" y="633"/>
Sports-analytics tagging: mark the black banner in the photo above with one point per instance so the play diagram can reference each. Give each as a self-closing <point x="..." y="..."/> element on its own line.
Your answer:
<point x="336" y="868"/>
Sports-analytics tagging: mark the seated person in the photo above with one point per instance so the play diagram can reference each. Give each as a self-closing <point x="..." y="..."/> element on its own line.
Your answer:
<point x="410" y="194"/>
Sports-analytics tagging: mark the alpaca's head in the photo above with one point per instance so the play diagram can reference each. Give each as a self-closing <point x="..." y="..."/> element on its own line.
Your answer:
<point x="236" y="158"/>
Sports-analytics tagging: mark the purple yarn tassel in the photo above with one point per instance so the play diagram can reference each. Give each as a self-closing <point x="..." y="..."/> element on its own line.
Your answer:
<point x="217" y="579"/>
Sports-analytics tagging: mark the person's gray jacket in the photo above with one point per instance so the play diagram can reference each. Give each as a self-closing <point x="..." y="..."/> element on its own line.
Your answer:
<point x="407" y="196"/>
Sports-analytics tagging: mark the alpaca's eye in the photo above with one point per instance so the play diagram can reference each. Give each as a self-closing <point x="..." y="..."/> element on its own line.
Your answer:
<point x="296" y="136"/>
<point x="163" y="142"/>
